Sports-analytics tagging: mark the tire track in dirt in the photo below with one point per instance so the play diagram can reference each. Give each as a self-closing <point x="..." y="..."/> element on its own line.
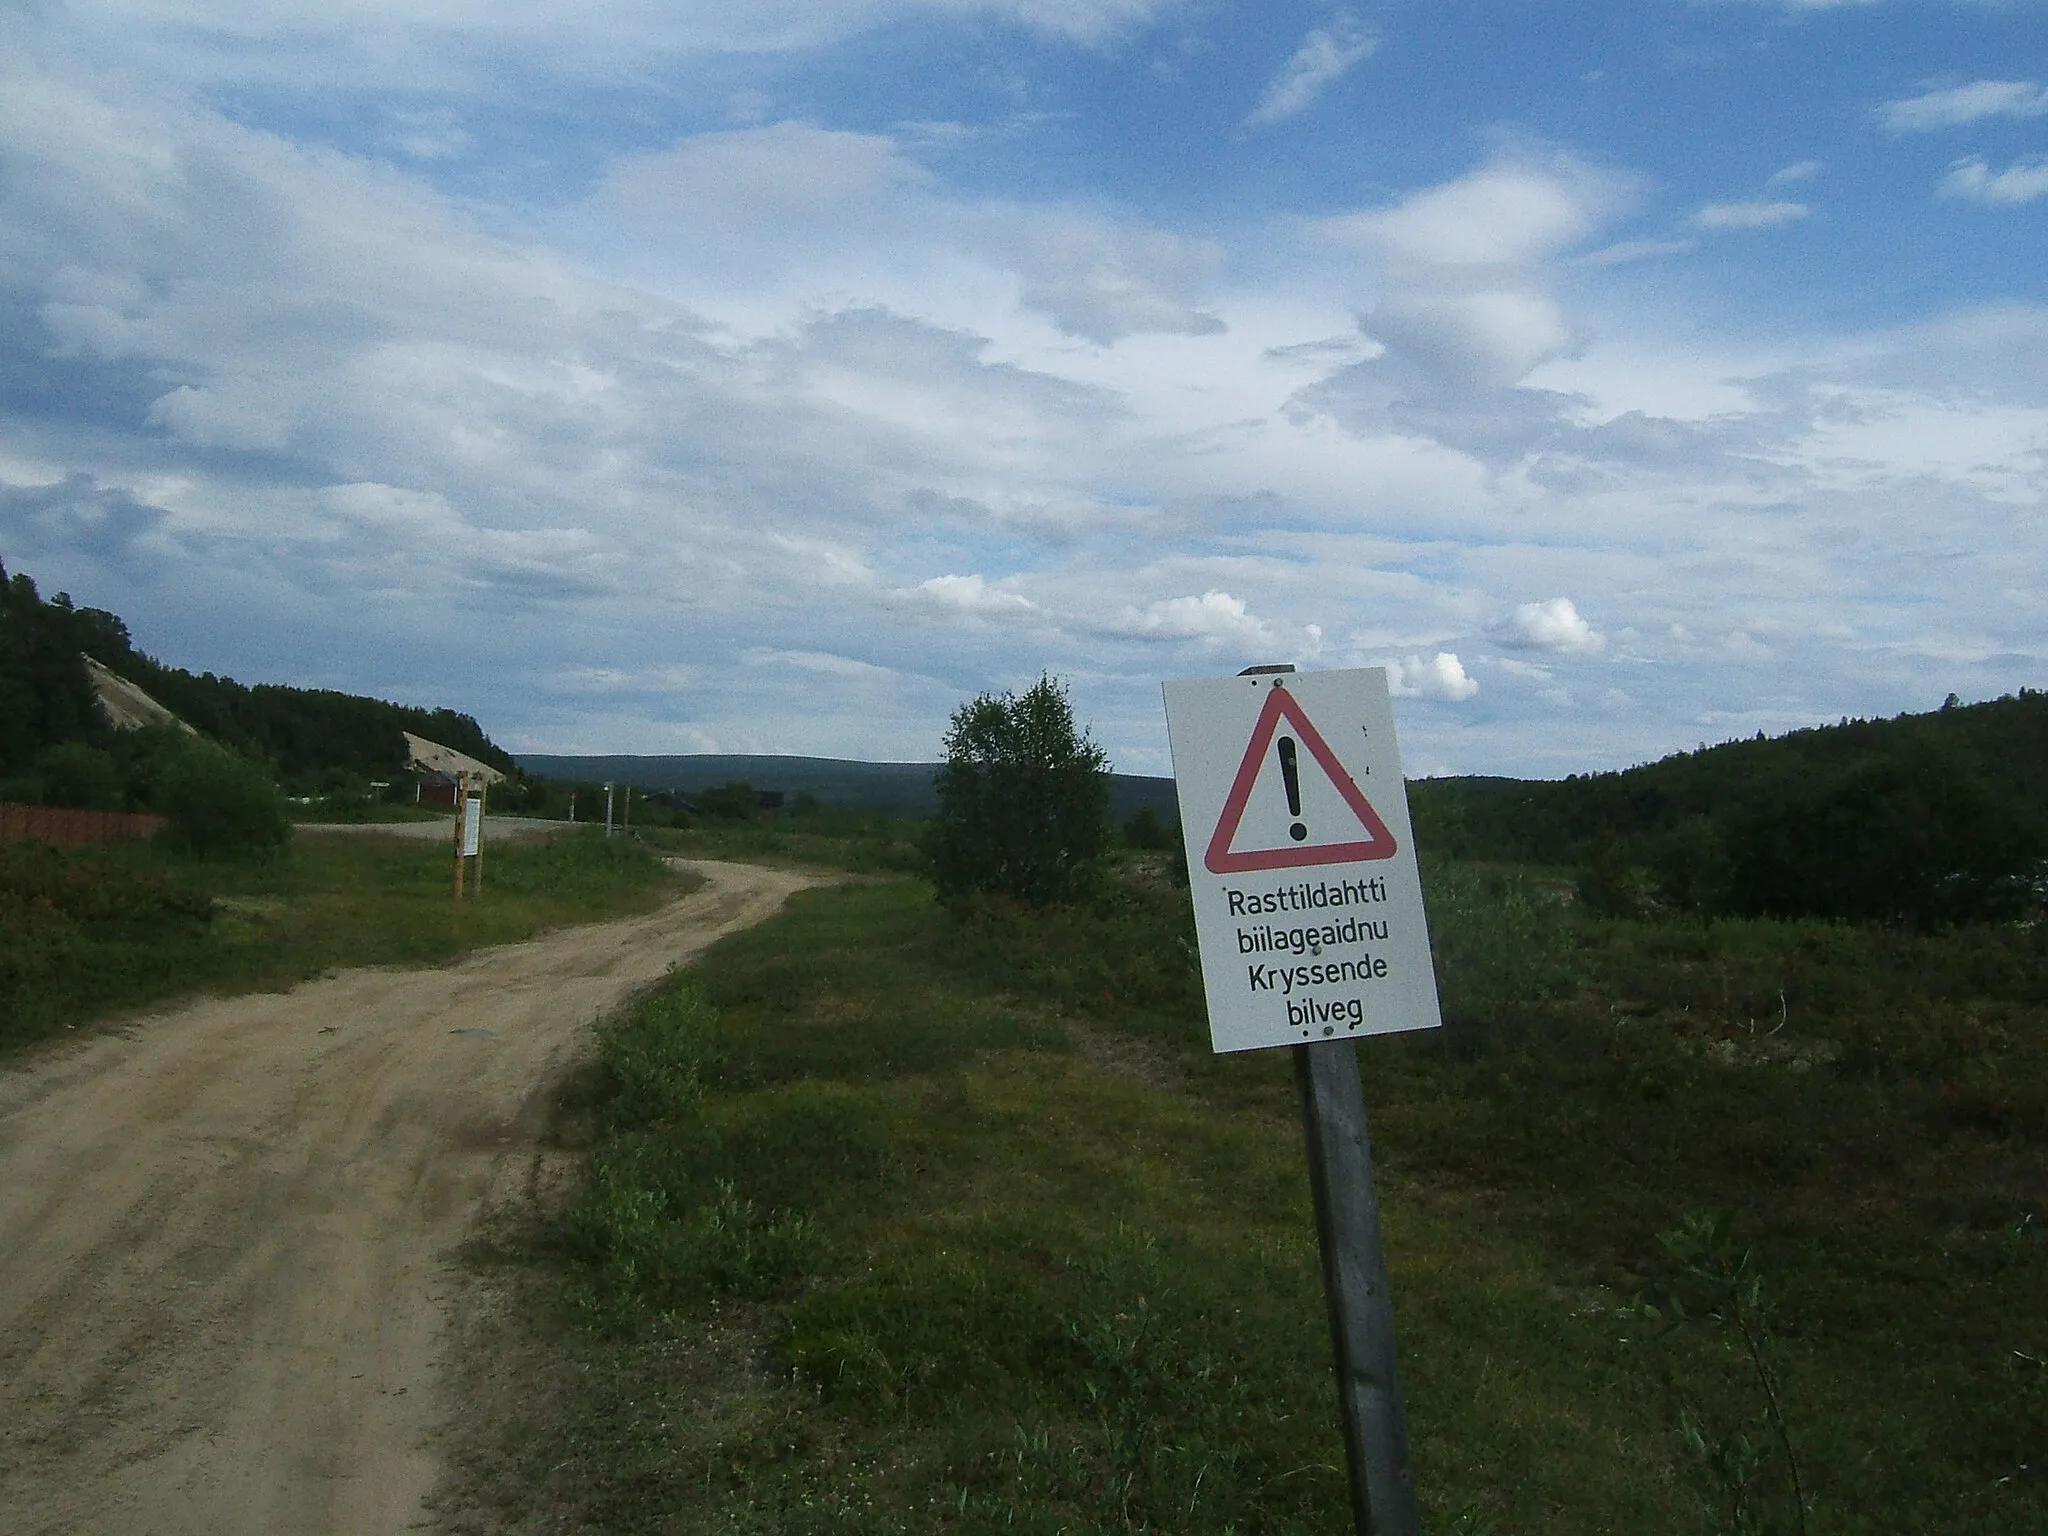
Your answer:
<point x="223" y="1230"/>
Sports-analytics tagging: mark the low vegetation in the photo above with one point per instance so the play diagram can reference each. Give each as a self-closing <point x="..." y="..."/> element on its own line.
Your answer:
<point x="91" y="931"/>
<point x="898" y="1219"/>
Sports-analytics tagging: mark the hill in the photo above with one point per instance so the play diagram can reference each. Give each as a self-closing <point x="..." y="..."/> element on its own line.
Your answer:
<point x="891" y="789"/>
<point x="309" y="737"/>
<point x="1921" y="818"/>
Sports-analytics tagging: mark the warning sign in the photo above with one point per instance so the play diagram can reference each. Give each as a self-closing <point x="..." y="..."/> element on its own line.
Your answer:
<point x="1269" y="749"/>
<point x="1308" y="905"/>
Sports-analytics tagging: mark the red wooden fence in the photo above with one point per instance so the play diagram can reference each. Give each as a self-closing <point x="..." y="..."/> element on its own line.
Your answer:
<point x="62" y="827"/>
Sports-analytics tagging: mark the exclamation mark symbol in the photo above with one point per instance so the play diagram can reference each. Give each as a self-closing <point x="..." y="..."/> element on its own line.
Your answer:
<point x="1290" y="776"/>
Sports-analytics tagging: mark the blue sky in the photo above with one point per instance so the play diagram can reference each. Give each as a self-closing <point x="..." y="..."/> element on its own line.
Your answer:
<point x="692" y="377"/>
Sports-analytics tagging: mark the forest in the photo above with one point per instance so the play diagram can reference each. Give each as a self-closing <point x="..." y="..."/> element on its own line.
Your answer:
<point x="1920" y="820"/>
<point x="310" y="739"/>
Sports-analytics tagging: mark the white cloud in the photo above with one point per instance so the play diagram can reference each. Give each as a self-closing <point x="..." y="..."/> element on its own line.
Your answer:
<point x="453" y="44"/>
<point x="1508" y="213"/>
<point x="1752" y="215"/>
<point x="1974" y="181"/>
<point x="792" y="198"/>
<point x="1101" y="280"/>
<point x="974" y="595"/>
<point x="1956" y="105"/>
<point x="1799" y="170"/>
<point x="1442" y="676"/>
<point x="1625" y="251"/>
<point x="1466" y="270"/>
<point x="761" y="181"/>
<point x="1323" y="58"/>
<point x="1215" y="617"/>
<point x="1555" y="625"/>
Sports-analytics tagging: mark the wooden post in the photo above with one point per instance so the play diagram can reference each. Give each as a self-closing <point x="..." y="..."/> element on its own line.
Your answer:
<point x="1356" y="1289"/>
<point x="461" y="800"/>
<point x="483" y="806"/>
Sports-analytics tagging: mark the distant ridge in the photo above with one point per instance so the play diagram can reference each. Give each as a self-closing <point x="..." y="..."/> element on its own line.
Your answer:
<point x="893" y="789"/>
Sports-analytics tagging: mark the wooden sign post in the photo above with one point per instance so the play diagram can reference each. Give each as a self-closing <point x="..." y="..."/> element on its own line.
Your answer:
<point x="469" y="829"/>
<point x="483" y="802"/>
<point x="461" y="799"/>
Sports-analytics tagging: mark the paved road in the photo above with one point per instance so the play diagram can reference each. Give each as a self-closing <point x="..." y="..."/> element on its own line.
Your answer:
<point x="223" y="1230"/>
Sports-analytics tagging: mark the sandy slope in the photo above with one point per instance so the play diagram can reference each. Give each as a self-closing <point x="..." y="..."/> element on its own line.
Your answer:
<point x="223" y="1230"/>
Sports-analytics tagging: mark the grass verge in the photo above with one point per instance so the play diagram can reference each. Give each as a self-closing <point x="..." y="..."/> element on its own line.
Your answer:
<point x="85" y="933"/>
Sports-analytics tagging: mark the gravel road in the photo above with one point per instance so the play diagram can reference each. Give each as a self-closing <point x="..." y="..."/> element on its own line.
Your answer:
<point x="224" y="1231"/>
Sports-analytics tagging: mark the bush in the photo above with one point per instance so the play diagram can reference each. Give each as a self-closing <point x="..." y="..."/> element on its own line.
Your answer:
<point x="734" y="801"/>
<point x="75" y="774"/>
<point x="1145" y="830"/>
<point x="1023" y="801"/>
<point x="217" y="802"/>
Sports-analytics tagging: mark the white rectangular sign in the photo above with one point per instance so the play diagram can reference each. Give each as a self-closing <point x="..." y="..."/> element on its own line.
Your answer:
<point x="472" y="824"/>
<point x="1308" y="904"/>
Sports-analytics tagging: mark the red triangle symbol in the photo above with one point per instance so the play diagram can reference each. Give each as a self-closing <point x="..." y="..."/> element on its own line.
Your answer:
<point x="1377" y="844"/>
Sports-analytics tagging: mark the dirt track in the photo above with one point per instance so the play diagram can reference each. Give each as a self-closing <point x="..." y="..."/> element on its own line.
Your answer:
<point x="223" y="1230"/>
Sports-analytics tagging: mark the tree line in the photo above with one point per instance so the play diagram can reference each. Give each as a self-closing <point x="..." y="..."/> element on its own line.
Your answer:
<point x="1920" y="820"/>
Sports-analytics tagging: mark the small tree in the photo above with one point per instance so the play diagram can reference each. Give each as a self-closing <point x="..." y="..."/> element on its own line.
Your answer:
<point x="218" y="802"/>
<point x="1023" y="801"/>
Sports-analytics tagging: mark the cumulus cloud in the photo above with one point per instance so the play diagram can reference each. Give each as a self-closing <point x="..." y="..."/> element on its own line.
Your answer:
<point x="1956" y="105"/>
<point x="1751" y="215"/>
<point x="1509" y="213"/>
<point x="1555" y="625"/>
<point x="1441" y="676"/>
<point x="971" y="594"/>
<point x="1325" y="56"/>
<point x="1215" y="617"/>
<point x="1974" y="181"/>
<point x="1466" y="271"/>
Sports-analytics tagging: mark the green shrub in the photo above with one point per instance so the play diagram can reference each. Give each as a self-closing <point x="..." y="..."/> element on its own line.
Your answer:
<point x="734" y="801"/>
<point x="217" y="802"/>
<point x="73" y="773"/>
